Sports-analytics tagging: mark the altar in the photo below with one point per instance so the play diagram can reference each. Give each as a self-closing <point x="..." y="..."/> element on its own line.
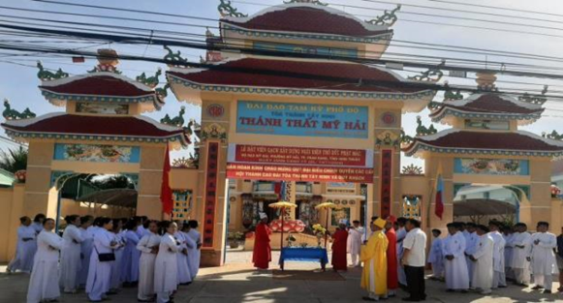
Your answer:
<point x="306" y="254"/>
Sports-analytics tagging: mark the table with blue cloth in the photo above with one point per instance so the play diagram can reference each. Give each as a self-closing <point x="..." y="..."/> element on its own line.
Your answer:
<point x="303" y="254"/>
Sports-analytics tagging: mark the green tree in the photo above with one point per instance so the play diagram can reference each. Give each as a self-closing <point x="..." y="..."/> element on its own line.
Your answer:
<point x="14" y="159"/>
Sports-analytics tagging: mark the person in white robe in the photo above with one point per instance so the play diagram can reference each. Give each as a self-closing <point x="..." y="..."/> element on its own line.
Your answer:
<point x="435" y="257"/>
<point x="522" y="241"/>
<point x="131" y="254"/>
<point x="499" y="279"/>
<point x="148" y="246"/>
<point x="401" y="234"/>
<point x="166" y="265"/>
<point x="471" y="240"/>
<point x="508" y="235"/>
<point x="354" y="244"/>
<point x="543" y="260"/>
<point x="191" y="246"/>
<point x="117" y="274"/>
<point x="70" y="255"/>
<point x="455" y="264"/>
<point x="184" y="275"/>
<point x="87" y="234"/>
<point x="99" y="274"/>
<point x="483" y="259"/>
<point x="194" y="256"/>
<point x="25" y="249"/>
<point x="37" y="225"/>
<point x="43" y="283"/>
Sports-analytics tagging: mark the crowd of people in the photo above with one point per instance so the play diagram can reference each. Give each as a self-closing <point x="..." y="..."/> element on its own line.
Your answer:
<point x="102" y="255"/>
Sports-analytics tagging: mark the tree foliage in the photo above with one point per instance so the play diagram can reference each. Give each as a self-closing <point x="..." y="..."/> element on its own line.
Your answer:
<point x="13" y="159"/>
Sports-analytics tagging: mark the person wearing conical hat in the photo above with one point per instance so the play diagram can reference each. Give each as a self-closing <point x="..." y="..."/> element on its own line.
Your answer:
<point x="374" y="257"/>
<point x="262" y="253"/>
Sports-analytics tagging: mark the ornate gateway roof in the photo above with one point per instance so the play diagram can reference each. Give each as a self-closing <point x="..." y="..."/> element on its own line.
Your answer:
<point x="309" y="78"/>
<point x="306" y="18"/>
<point x="99" y="128"/>
<point x="519" y="143"/>
<point x="488" y="106"/>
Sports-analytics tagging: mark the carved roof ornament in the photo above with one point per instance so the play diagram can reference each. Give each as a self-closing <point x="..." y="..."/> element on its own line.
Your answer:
<point x="191" y="162"/>
<point x="422" y="130"/>
<point x="162" y="92"/>
<point x="107" y="61"/>
<point x="45" y="75"/>
<point x="387" y="19"/>
<point x="486" y="81"/>
<point x="535" y="99"/>
<point x="317" y="2"/>
<point x="227" y="10"/>
<point x="177" y="121"/>
<point x="433" y="74"/>
<point x="174" y="59"/>
<point x="450" y="94"/>
<point x="412" y="170"/>
<point x="11" y="114"/>
<point x="554" y="135"/>
<point x="151" y="82"/>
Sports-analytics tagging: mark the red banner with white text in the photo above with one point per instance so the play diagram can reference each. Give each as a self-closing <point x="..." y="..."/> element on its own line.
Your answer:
<point x="254" y="162"/>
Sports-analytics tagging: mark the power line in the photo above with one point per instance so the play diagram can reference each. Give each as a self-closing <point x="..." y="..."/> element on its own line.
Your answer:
<point x="498" y="7"/>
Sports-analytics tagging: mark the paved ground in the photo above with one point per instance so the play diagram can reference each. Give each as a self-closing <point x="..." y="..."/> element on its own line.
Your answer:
<point x="239" y="282"/>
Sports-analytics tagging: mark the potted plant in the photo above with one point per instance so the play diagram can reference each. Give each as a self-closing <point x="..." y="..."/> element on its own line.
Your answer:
<point x="234" y="239"/>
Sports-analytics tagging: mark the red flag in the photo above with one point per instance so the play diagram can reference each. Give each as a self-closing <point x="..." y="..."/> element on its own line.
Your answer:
<point x="439" y="211"/>
<point x="165" y="190"/>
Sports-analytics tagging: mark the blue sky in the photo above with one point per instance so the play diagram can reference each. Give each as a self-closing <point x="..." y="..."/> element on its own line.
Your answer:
<point x="19" y="83"/>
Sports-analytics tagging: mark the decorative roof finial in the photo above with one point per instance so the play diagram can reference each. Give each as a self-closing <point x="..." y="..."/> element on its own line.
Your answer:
<point x="174" y="59"/>
<point x="317" y="2"/>
<point x="177" y="121"/>
<point x="433" y="74"/>
<point x="422" y="130"/>
<point x="12" y="114"/>
<point x="486" y="81"/>
<point x="107" y="61"/>
<point x="535" y="99"/>
<point x="45" y="75"/>
<point x="388" y="18"/>
<point x="227" y="10"/>
<point x="151" y="82"/>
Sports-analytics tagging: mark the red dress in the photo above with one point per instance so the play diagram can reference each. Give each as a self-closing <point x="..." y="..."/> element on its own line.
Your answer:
<point x="392" y="273"/>
<point x="262" y="253"/>
<point x="339" y="259"/>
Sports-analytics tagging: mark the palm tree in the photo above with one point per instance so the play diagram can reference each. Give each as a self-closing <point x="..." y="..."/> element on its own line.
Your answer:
<point x="14" y="159"/>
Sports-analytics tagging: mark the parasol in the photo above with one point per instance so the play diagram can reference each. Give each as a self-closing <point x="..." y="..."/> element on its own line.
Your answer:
<point x="282" y="205"/>
<point x="327" y="206"/>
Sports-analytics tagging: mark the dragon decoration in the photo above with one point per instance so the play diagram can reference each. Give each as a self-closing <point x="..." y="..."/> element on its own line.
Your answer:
<point x="317" y="2"/>
<point x="151" y="82"/>
<point x="422" y="130"/>
<point x="177" y="121"/>
<point x="45" y="75"/>
<point x="535" y="99"/>
<point x="227" y="10"/>
<point x="554" y="135"/>
<point x="390" y="139"/>
<point x="174" y="59"/>
<point x="11" y="114"/>
<point x="412" y="170"/>
<point x="433" y="74"/>
<point x="388" y="18"/>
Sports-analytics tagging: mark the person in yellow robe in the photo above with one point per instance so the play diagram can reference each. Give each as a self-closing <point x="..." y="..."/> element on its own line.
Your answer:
<point x="374" y="257"/>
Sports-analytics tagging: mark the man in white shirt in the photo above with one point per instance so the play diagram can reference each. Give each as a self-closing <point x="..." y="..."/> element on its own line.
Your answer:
<point x="414" y="259"/>
<point x="354" y="244"/>
<point x="482" y="258"/>
<point x="522" y="246"/>
<point x="543" y="260"/>
<point x="499" y="279"/>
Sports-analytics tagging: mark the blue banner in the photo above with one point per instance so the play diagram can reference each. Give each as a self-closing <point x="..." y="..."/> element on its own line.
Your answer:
<point x="298" y="119"/>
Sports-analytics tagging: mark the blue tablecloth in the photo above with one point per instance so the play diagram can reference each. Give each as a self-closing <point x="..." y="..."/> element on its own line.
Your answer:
<point x="303" y="254"/>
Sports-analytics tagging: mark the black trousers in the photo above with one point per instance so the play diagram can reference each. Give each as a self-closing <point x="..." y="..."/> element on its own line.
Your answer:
<point x="415" y="282"/>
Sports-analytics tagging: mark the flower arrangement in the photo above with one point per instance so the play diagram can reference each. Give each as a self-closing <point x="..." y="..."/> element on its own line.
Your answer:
<point x="555" y="191"/>
<point x="319" y="232"/>
<point x="289" y="226"/>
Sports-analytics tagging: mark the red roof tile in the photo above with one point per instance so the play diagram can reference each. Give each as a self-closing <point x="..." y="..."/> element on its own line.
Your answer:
<point x="300" y="75"/>
<point x="308" y="20"/>
<point x="98" y="86"/>
<point x="515" y="141"/>
<point x="492" y="103"/>
<point x="94" y="125"/>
